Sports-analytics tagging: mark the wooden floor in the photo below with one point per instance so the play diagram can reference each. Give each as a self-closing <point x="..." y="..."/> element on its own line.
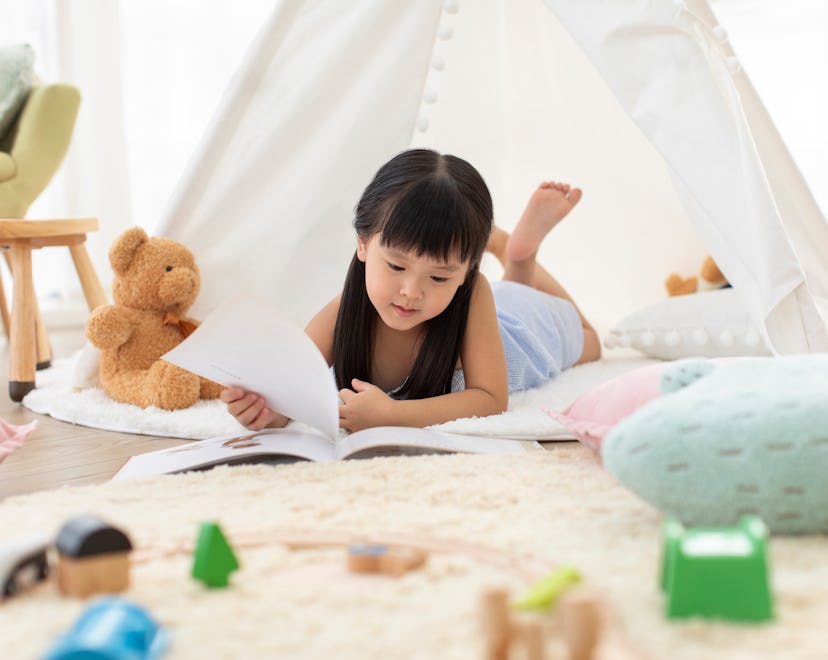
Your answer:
<point x="59" y="453"/>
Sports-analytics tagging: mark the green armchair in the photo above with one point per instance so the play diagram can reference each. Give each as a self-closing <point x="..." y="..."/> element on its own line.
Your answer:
<point x="34" y="146"/>
<point x="31" y="151"/>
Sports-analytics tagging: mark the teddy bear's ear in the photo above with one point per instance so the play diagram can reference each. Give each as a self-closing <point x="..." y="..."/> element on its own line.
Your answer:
<point x="123" y="249"/>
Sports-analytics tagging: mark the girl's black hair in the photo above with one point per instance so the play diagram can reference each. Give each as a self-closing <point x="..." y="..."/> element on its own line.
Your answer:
<point x="434" y="205"/>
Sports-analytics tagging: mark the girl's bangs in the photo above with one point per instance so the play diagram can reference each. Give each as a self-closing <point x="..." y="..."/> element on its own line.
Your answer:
<point x="430" y="221"/>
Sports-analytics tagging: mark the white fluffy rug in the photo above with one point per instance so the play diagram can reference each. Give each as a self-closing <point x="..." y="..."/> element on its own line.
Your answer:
<point x="56" y="396"/>
<point x="535" y="511"/>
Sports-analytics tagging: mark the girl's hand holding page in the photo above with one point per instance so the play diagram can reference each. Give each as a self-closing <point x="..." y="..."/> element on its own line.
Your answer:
<point x="364" y="406"/>
<point x="249" y="346"/>
<point x="249" y="409"/>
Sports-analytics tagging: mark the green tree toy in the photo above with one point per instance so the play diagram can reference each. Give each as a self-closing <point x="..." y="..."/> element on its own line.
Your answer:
<point x="214" y="559"/>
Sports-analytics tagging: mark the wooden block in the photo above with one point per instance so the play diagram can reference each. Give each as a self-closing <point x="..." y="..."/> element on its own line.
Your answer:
<point x="398" y="561"/>
<point x="497" y="625"/>
<point x="530" y="632"/>
<point x="365" y="558"/>
<point x="581" y="613"/>
<point x="103" y="573"/>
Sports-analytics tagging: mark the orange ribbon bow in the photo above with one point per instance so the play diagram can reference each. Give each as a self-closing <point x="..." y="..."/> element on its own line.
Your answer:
<point x="186" y="327"/>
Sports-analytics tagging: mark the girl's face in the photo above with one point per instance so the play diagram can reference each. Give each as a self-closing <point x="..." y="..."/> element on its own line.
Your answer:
<point x="407" y="289"/>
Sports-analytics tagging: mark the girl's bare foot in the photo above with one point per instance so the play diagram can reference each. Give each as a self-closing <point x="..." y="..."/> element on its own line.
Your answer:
<point x="497" y="244"/>
<point x="547" y="206"/>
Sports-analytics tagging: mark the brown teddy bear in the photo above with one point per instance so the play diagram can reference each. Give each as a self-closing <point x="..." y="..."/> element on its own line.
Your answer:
<point x="710" y="278"/>
<point x="156" y="282"/>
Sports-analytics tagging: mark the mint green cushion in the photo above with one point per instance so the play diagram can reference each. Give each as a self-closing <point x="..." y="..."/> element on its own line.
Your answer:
<point x="16" y="77"/>
<point x="730" y="438"/>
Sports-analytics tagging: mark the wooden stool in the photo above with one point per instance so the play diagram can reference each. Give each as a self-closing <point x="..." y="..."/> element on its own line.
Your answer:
<point x="28" y="342"/>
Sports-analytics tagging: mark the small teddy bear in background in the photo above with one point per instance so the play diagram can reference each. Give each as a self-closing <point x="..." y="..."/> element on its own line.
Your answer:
<point x="156" y="282"/>
<point x="709" y="278"/>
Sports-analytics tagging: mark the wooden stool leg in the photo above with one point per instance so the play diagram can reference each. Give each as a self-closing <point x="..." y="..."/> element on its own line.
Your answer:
<point x="22" y="351"/>
<point x="4" y="309"/>
<point x="92" y="289"/>
<point x="43" y="349"/>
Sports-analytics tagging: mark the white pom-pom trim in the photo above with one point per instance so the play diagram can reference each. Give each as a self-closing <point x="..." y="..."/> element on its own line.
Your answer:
<point x="610" y="341"/>
<point x="422" y="124"/>
<point x="430" y="96"/>
<point x="672" y="338"/>
<point x="751" y="338"/>
<point x="451" y="6"/>
<point x="726" y="338"/>
<point x="720" y="33"/>
<point x="647" y="339"/>
<point x="700" y="337"/>
<point x="733" y="64"/>
<point x="624" y="340"/>
<point x="445" y="32"/>
<point x="438" y="63"/>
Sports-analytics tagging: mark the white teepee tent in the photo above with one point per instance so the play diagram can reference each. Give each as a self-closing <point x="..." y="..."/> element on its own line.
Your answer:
<point x="639" y="102"/>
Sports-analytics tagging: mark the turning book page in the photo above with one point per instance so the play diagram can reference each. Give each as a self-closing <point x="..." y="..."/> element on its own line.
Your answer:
<point x="247" y="343"/>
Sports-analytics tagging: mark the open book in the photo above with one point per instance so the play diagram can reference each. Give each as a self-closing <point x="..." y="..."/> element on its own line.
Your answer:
<point x="288" y="444"/>
<point x="248" y="343"/>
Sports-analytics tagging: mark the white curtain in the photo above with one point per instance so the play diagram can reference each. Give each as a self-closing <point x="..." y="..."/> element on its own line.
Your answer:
<point x="783" y="45"/>
<point x="95" y="175"/>
<point x="151" y="73"/>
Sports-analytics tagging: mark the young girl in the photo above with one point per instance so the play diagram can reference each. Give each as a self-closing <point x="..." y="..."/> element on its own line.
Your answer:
<point x="418" y="336"/>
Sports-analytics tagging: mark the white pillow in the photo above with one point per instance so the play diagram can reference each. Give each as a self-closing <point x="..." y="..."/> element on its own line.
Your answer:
<point x="709" y="324"/>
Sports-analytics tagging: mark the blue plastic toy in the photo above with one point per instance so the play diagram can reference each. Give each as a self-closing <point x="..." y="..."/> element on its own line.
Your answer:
<point x="112" y="629"/>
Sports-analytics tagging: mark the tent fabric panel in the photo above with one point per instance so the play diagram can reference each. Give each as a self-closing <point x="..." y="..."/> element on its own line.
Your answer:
<point x="521" y="101"/>
<point x="327" y="95"/>
<point x="667" y="69"/>
<point x="338" y="97"/>
<point x="804" y="221"/>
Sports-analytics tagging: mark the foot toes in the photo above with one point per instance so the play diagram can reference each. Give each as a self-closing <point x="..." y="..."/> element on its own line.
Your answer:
<point x="574" y="195"/>
<point x="564" y="188"/>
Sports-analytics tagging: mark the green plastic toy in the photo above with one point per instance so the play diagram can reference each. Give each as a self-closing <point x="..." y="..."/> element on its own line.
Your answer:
<point x="544" y="594"/>
<point x="214" y="559"/>
<point x="717" y="572"/>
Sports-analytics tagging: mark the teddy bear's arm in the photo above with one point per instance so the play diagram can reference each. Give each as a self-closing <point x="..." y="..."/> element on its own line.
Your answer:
<point x="109" y="326"/>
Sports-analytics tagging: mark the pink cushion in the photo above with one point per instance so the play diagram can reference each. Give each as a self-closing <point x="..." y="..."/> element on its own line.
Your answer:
<point x="591" y="416"/>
